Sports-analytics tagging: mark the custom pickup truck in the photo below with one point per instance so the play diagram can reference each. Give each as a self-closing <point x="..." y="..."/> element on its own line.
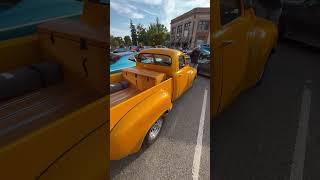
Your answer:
<point x="141" y="96"/>
<point x="53" y="100"/>
<point x="242" y="44"/>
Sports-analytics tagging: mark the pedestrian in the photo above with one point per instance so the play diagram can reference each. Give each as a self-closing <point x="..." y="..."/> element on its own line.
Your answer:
<point x="194" y="56"/>
<point x="269" y="9"/>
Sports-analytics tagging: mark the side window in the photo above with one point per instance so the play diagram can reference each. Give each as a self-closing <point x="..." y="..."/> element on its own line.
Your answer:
<point x="229" y="10"/>
<point x="181" y="62"/>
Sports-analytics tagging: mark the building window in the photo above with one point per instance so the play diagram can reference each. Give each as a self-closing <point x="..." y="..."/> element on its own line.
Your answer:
<point x="203" y="26"/>
<point x="187" y="26"/>
<point x="186" y="29"/>
<point x="173" y="31"/>
<point x="179" y="30"/>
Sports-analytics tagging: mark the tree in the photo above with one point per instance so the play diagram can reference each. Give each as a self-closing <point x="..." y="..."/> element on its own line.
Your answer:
<point x="133" y="33"/>
<point x="157" y="33"/>
<point x="127" y="40"/>
<point x="142" y="35"/>
<point x="116" y="42"/>
<point x="113" y="42"/>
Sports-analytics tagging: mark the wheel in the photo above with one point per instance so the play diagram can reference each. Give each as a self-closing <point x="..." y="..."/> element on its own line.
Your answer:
<point x="154" y="132"/>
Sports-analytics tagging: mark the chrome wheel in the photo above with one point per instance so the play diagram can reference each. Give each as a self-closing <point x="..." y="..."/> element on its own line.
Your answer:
<point x="155" y="130"/>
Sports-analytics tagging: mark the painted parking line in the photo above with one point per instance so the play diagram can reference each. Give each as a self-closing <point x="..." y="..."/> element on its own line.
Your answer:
<point x="297" y="165"/>
<point x="198" y="148"/>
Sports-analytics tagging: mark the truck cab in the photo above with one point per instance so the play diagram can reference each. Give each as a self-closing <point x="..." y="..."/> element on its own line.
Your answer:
<point x="242" y="44"/>
<point x="142" y="96"/>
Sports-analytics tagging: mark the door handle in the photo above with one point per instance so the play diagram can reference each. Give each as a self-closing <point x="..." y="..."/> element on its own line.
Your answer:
<point x="226" y="43"/>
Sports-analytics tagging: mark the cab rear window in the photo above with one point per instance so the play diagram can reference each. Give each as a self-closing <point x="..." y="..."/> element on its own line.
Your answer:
<point x="156" y="59"/>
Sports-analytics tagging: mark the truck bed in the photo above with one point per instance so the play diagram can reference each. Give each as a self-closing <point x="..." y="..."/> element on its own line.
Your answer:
<point x="121" y="96"/>
<point x="26" y="113"/>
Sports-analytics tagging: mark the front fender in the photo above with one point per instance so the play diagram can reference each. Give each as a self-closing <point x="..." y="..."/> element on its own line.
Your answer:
<point x="127" y="136"/>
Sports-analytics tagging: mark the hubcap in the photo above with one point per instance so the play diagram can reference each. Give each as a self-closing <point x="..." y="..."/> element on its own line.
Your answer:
<point x="155" y="129"/>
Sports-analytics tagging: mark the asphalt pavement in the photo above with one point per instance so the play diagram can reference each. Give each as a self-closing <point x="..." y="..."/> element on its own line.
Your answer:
<point x="172" y="155"/>
<point x="273" y="131"/>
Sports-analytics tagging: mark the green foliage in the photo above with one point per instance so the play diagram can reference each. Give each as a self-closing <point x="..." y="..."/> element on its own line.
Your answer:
<point x="157" y="33"/>
<point x="142" y="35"/>
<point x="127" y="41"/>
<point x="133" y="30"/>
<point x="116" y="41"/>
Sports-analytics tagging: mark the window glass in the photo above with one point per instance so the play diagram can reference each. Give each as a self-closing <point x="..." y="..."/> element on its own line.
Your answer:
<point x="155" y="59"/>
<point x="181" y="62"/>
<point x="229" y="10"/>
<point x="146" y="58"/>
<point x="162" y="60"/>
<point x="203" y="26"/>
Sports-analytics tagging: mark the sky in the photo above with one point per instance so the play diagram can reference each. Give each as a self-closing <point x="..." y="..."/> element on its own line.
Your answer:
<point x="146" y="11"/>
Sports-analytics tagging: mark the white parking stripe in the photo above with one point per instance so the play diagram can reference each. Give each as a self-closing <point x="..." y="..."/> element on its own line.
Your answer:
<point x="197" y="152"/>
<point x="297" y="165"/>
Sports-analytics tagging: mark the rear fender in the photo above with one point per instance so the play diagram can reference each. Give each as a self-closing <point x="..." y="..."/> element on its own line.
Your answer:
<point x="263" y="39"/>
<point x="128" y="134"/>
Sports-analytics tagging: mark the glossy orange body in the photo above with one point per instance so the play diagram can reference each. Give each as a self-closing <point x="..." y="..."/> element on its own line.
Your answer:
<point x="241" y="49"/>
<point x="130" y="120"/>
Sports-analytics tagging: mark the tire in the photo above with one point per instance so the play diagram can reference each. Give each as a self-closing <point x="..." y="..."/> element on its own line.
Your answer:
<point x="154" y="132"/>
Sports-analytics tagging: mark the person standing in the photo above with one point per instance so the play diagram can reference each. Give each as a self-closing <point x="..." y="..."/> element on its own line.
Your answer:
<point x="195" y="55"/>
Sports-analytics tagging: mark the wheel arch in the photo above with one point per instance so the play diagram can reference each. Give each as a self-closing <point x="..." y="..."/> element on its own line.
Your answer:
<point x="128" y="134"/>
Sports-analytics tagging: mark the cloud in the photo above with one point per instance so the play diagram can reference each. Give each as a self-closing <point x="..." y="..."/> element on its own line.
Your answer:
<point x="126" y="9"/>
<point x="119" y="31"/>
<point x="149" y="2"/>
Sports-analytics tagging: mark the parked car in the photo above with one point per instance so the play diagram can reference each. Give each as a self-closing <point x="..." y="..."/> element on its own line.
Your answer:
<point x="119" y="50"/>
<point x="114" y="58"/>
<point x="204" y="53"/>
<point x="239" y="60"/>
<point x="137" y="111"/>
<point x="205" y="46"/>
<point x="300" y="21"/>
<point x="204" y="67"/>
<point x="135" y="48"/>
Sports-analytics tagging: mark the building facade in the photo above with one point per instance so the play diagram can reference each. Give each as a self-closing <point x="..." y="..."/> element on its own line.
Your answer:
<point x="191" y="29"/>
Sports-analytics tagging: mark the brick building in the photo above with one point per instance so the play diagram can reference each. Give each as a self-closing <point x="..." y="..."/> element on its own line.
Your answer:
<point x="191" y="29"/>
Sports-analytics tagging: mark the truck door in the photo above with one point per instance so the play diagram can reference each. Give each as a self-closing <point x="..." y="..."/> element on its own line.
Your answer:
<point x="231" y="48"/>
<point x="181" y="78"/>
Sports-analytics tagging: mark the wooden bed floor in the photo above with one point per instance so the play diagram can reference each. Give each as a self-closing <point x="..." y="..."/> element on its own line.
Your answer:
<point x="120" y="96"/>
<point x="22" y="114"/>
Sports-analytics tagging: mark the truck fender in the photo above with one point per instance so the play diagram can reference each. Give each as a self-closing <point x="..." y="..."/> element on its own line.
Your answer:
<point x="263" y="40"/>
<point x="128" y="134"/>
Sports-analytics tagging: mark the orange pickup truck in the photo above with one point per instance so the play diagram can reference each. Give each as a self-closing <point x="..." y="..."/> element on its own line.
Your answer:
<point x="141" y="96"/>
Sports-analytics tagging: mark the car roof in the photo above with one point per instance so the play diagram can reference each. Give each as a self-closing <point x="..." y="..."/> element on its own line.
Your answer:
<point x="163" y="51"/>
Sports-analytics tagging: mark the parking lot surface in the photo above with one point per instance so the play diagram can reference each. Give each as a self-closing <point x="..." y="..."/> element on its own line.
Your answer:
<point x="273" y="131"/>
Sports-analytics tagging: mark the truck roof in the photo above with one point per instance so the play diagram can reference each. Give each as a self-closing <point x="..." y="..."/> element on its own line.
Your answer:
<point x="164" y="51"/>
